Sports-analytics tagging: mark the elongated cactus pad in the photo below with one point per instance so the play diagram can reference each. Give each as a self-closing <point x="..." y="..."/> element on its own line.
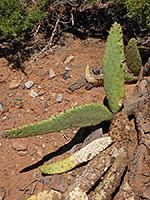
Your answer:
<point x="83" y="155"/>
<point x="113" y="69"/>
<point x="81" y="116"/>
<point x="133" y="59"/>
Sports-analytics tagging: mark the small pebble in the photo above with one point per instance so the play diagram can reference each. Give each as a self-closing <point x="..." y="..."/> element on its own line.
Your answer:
<point x="21" y="105"/>
<point x="96" y="71"/>
<point x="1" y="106"/>
<point x="42" y="98"/>
<point x="19" y="99"/>
<point x="67" y="69"/>
<point x="68" y="59"/>
<point x="48" y="99"/>
<point x="94" y="101"/>
<point x="65" y="75"/>
<point x="51" y="73"/>
<point x="33" y="93"/>
<point x="29" y="84"/>
<point x="45" y="105"/>
<point x="34" y="175"/>
<point x="23" y="87"/>
<point x="59" y="98"/>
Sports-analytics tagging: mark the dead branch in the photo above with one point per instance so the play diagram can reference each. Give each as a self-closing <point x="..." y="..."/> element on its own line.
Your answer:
<point x="49" y="44"/>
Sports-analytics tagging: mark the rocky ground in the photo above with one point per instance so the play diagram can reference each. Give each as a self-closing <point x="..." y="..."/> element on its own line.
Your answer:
<point x="37" y="95"/>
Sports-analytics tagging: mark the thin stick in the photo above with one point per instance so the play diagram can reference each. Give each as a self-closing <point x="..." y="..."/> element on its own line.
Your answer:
<point x="48" y="44"/>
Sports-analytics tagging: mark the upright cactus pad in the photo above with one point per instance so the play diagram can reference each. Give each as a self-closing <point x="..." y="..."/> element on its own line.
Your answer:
<point x="81" y="116"/>
<point x="133" y="59"/>
<point x="113" y="69"/>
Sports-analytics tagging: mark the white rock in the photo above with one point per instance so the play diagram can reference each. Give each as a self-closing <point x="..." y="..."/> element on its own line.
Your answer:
<point x="59" y="98"/>
<point x="68" y="59"/>
<point x="29" y="84"/>
<point x="42" y="98"/>
<point x="33" y="93"/>
<point x="67" y="68"/>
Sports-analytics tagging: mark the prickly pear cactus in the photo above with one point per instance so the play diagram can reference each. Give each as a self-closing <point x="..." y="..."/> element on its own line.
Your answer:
<point x="133" y="59"/>
<point x="81" y="116"/>
<point x="113" y="69"/>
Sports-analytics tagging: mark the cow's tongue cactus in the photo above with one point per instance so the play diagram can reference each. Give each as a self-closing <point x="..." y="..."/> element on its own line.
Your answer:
<point x="133" y="59"/>
<point x="81" y="116"/>
<point x="113" y="69"/>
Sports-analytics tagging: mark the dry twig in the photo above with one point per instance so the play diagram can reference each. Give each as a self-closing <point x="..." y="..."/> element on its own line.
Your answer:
<point x="49" y="44"/>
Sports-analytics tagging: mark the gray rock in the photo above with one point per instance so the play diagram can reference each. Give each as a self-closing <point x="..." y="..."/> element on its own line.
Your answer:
<point x="29" y="84"/>
<point x="19" y="99"/>
<point x="96" y="71"/>
<point x="1" y="106"/>
<point x="65" y="75"/>
<point x="59" y="98"/>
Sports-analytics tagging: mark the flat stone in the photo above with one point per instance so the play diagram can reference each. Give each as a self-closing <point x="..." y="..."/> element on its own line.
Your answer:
<point x="51" y="73"/>
<point x="29" y="84"/>
<point x="42" y="92"/>
<point x="9" y="124"/>
<point x="68" y="59"/>
<point x="14" y="84"/>
<point x="59" y="98"/>
<point x="18" y="145"/>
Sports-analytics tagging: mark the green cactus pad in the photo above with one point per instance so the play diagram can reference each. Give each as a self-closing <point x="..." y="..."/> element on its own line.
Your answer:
<point x="113" y="69"/>
<point x="59" y="167"/>
<point x="133" y="59"/>
<point x="81" y="116"/>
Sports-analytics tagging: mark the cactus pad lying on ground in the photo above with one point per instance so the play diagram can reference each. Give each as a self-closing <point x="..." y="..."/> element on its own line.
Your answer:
<point x="133" y="59"/>
<point x="113" y="69"/>
<point x="81" y="116"/>
<point x="83" y="155"/>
